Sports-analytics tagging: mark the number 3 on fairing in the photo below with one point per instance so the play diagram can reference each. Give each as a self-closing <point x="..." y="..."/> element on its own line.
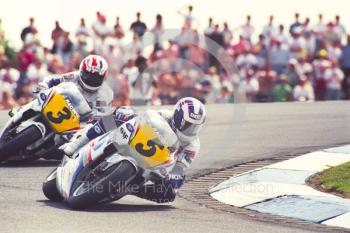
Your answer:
<point x="60" y="116"/>
<point x="152" y="148"/>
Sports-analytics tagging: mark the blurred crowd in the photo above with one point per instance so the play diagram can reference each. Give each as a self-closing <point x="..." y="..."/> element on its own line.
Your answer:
<point x="306" y="61"/>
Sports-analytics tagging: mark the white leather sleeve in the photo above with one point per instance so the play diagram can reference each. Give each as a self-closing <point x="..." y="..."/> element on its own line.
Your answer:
<point x="187" y="151"/>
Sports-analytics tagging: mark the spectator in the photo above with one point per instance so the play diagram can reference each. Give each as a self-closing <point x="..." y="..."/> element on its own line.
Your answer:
<point x="213" y="78"/>
<point x="101" y="32"/>
<point x="25" y="94"/>
<point x="114" y="56"/>
<point x="172" y="53"/>
<point x="82" y="30"/>
<point x="339" y="29"/>
<point x="9" y="75"/>
<point x="242" y="46"/>
<point x="217" y="37"/>
<point x="266" y="78"/>
<point x="279" y="57"/>
<point x="189" y="81"/>
<point x="250" y="85"/>
<point x="310" y="44"/>
<point x="305" y="67"/>
<point x="246" y="60"/>
<point x="3" y="57"/>
<point x="294" y="25"/>
<point x="169" y="93"/>
<point x="198" y="55"/>
<point x="293" y="72"/>
<point x="320" y="28"/>
<point x="202" y="91"/>
<point x="7" y="100"/>
<point x="31" y="29"/>
<point x="227" y="34"/>
<point x="37" y="71"/>
<point x="282" y="91"/>
<point x="297" y="45"/>
<point x="281" y="36"/>
<point x="334" y="77"/>
<point x="208" y="40"/>
<point x="82" y="35"/>
<point x="121" y="91"/>
<point x="269" y="67"/>
<point x="320" y="64"/>
<point x="118" y="30"/>
<point x="247" y="30"/>
<point x="345" y="66"/>
<point x="134" y="49"/>
<point x="260" y="50"/>
<point x="56" y="33"/>
<point x="332" y="35"/>
<point x="334" y="52"/>
<point x="74" y="62"/>
<point x="225" y="96"/>
<point x="141" y="84"/>
<point x="2" y="33"/>
<point x="55" y="65"/>
<point x="184" y="41"/>
<point x="64" y="48"/>
<point x="306" y="27"/>
<point x="269" y="30"/>
<point x="319" y="31"/>
<point x="157" y="31"/>
<point x="138" y="27"/>
<point x="210" y="29"/>
<point x="187" y="16"/>
<point x="303" y="91"/>
<point x="25" y="57"/>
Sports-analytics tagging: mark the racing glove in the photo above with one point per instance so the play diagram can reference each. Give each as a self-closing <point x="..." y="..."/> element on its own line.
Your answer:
<point x="174" y="181"/>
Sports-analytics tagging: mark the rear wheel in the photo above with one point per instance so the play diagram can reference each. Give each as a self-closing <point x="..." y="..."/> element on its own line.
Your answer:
<point x="94" y="188"/>
<point x="10" y="146"/>
<point x="50" y="188"/>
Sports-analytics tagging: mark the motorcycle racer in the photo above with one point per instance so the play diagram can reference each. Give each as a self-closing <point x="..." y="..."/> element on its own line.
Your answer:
<point x="90" y="80"/>
<point x="186" y="120"/>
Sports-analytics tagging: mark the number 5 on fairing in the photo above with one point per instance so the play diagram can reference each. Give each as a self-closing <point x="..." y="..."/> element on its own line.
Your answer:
<point x="148" y="152"/>
<point x="144" y="143"/>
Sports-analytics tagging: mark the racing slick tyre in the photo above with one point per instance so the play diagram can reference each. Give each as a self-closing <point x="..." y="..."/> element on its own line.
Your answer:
<point x="89" y="192"/>
<point x="50" y="188"/>
<point x="10" y="146"/>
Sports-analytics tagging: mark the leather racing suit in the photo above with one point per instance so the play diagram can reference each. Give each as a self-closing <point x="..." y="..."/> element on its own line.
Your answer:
<point x="99" y="101"/>
<point x="160" y="191"/>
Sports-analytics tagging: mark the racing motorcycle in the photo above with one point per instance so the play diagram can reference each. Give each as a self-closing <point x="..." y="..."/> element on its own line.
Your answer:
<point x="38" y="128"/>
<point x="138" y="151"/>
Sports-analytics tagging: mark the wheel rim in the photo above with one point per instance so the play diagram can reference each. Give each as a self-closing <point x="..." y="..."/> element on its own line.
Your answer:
<point x="90" y="184"/>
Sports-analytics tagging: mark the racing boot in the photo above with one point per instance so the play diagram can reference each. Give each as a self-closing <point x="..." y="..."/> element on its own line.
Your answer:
<point x="79" y="140"/>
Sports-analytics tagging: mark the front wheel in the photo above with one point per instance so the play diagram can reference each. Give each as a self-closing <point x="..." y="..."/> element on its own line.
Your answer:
<point x="12" y="146"/>
<point x="50" y="188"/>
<point x="96" y="187"/>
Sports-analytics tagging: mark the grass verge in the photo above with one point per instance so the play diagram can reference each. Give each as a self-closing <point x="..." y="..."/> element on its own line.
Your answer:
<point x="335" y="180"/>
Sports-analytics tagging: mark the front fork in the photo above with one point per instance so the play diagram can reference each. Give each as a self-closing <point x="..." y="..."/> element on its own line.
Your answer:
<point x="16" y="115"/>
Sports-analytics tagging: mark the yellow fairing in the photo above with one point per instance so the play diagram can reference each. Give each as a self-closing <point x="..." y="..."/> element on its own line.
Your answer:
<point x="144" y="143"/>
<point x="60" y="115"/>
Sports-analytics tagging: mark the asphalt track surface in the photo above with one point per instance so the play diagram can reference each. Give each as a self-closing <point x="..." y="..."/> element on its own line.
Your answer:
<point x="233" y="134"/>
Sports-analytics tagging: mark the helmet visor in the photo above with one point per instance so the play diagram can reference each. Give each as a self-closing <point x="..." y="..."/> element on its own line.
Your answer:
<point x="91" y="79"/>
<point x="185" y="127"/>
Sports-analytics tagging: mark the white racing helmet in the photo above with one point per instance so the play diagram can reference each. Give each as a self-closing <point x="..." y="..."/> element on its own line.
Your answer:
<point x="93" y="70"/>
<point x="188" y="118"/>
